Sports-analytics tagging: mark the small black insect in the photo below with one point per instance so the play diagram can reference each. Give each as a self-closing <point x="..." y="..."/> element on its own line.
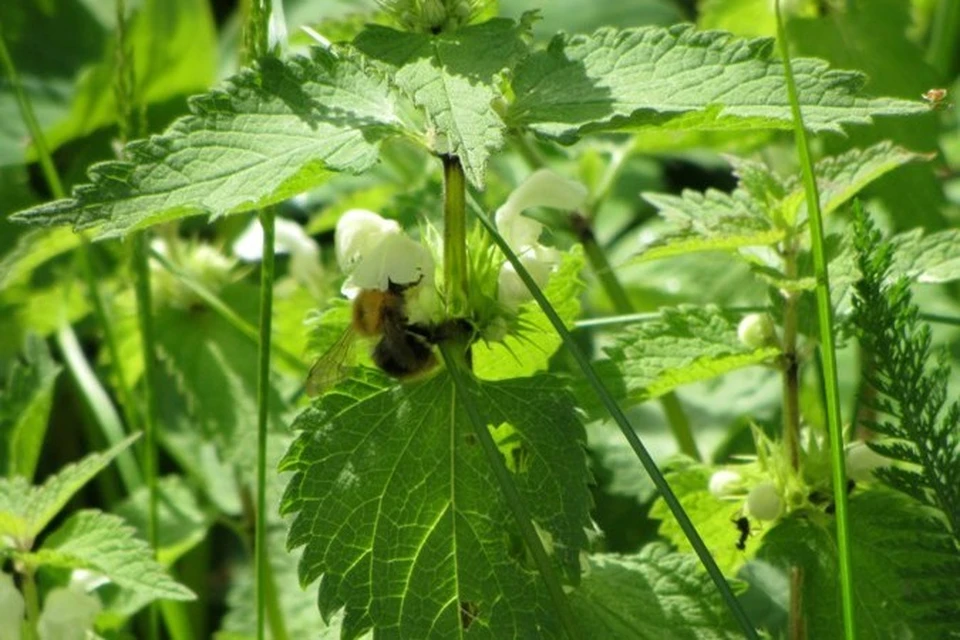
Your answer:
<point x="743" y="526"/>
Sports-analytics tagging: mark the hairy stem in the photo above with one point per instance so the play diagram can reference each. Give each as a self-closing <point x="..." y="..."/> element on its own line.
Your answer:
<point x="827" y="348"/>
<point x="454" y="236"/>
<point x="32" y="600"/>
<point x="790" y="364"/>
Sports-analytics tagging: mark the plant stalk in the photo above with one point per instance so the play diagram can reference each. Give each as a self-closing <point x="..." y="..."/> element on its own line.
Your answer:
<point x="790" y="364"/>
<point x="261" y="560"/>
<point x="827" y="349"/>
<point x="625" y="427"/>
<point x="454" y="237"/>
<point x="32" y="600"/>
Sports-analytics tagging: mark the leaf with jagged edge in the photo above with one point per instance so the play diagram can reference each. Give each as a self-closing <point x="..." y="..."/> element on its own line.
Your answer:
<point x="710" y="221"/>
<point x="686" y="345"/>
<point x="929" y="259"/>
<point x="451" y="76"/>
<point x="754" y="214"/>
<point x="25" y="408"/>
<point x="106" y="545"/>
<point x="26" y="510"/>
<point x="398" y="509"/>
<point x="681" y="78"/>
<point x="653" y="594"/>
<point x="528" y="347"/>
<point x="271" y="132"/>
<point x="906" y="564"/>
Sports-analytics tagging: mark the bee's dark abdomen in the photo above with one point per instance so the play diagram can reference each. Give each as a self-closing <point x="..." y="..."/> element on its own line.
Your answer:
<point x="401" y="357"/>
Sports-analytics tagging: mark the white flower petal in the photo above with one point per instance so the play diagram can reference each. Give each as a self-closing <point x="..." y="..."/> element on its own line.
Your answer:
<point x="11" y="608"/>
<point x="397" y="259"/>
<point x="543" y="188"/>
<point x="359" y="233"/>
<point x="67" y="614"/>
<point x="511" y="291"/>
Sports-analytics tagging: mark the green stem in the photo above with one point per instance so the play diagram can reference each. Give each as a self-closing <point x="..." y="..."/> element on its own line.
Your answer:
<point x="278" y="629"/>
<point x="628" y="432"/>
<point x="639" y="318"/>
<point x="263" y="413"/>
<point x="790" y="364"/>
<point x="221" y="308"/>
<point x="454" y="361"/>
<point x="672" y="409"/>
<point x="32" y="600"/>
<point x="828" y="351"/>
<point x="454" y="237"/>
<point x="141" y="273"/>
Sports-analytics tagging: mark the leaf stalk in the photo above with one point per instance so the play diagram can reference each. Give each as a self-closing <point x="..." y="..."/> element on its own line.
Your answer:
<point x="454" y="236"/>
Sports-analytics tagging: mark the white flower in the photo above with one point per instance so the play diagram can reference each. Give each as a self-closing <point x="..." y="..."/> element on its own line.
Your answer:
<point x="763" y="502"/>
<point x="723" y="483"/>
<point x="289" y="237"/>
<point x="543" y="188"/>
<point x="511" y="291"/>
<point x="11" y="608"/>
<point x="67" y="614"/>
<point x="374" y="252"/>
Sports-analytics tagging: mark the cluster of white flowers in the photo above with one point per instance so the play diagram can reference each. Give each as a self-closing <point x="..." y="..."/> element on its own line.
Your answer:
<point x="543" y="188"/>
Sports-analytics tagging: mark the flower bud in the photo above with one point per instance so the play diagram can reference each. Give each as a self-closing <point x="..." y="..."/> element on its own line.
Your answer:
<point x="724" y="483"/>
<point x="763" y="502"/>
<point x="756" y="330"/>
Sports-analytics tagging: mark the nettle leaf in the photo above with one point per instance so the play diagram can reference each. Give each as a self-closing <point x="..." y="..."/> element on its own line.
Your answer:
<point x="25" y="408"/>
<point x="452" y="77"/>
<point x="269" y="133"/>
<point x="710" y="221"/>
<point x="930" y="259"/>
<point x="398" y="509"/>
<point x="651" y="595"/>
<point x="839" y="178"/>
<point x="527" y="349"/>
<point x="26" y="510"/>
<point x="686" y="345"/>
<point x="681" y="78"/>
<point x="107" y="545"/>
<point x="907" y="568"/>
<point x="714" y="519"/>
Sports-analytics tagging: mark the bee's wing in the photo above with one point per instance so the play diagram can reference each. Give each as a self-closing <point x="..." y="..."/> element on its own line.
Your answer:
<point x="330" y="368"/>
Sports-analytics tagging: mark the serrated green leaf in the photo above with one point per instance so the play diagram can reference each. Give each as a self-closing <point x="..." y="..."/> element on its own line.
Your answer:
<point x="527" y="350"/>
<point x="839" y="178"/>
<point x="25" y="408"/>
<point x="687" y="345"/>
<point x="451" y="77"/>
<point x="930" y="259"/>
<point x="681" y="78"/>
<point x="711" y="221"/>
<point x="905" y="563"/>
<point x="399" y="511"/>
<point x="107" y="545"/>
<point x="268" y="134"/>
<point x="26" y="510"/>
<point x="651" y="595"/>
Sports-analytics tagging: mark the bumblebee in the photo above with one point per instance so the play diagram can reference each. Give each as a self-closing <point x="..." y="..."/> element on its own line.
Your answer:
<point x="402" y="350"/>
